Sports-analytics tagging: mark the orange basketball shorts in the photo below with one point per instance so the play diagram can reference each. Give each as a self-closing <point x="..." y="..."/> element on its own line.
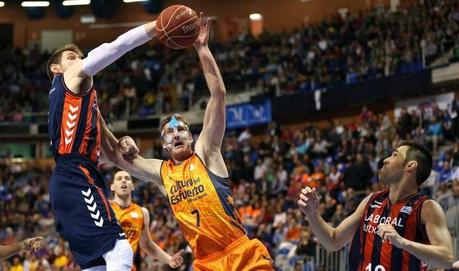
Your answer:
<point x="242" y="254"/>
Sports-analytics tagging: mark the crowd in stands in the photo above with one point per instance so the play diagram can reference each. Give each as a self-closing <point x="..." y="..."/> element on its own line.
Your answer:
<point x="153" y="80"/>
<point x="267" y="170"/>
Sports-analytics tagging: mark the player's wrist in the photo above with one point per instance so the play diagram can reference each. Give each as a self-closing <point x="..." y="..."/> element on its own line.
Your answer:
<point x="21" y="246"/>
<point x="404" y="243"/>
<point x="202" y="48"/>
<point x="313" y="215"/>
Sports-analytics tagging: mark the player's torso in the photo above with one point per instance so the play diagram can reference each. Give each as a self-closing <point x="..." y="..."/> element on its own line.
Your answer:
<point x="369" y="252"/>
<point x="203" y="206"/>
<point x="73" y="122"/>
<point x="131" y="220"/>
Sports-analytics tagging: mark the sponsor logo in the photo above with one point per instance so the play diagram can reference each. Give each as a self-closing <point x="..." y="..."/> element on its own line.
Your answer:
<point x="190" y="189"/>
<point x="406" y="209"/>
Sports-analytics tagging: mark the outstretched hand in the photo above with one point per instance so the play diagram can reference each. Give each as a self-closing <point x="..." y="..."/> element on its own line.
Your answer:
<point x="128" y="148"/>
<point x="176" y="260"/>
<point x="32" y="244"/>
<point x="308" y="201"/>
<point x="203" y="38"/>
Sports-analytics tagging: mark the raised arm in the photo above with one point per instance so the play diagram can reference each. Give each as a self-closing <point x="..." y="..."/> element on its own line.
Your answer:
<point x="106" y="54"/>
<point x="147" y="244"/>
<point x="210" y="140"/>
<point x="439" y="252"/>
<point x="124" y="154"/>
<point x="332" y="239"/>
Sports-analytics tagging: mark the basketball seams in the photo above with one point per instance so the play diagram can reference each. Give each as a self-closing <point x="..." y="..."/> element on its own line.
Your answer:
<point x="182" y="31"/>
<point x="173" y="14"/>
<point x="164" y="27"/>
<point x="175" y="28"/>
<point x="174" y="43"/>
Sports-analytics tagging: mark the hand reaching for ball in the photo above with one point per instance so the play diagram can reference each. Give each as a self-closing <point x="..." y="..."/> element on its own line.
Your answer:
<point x="203" y="38"/>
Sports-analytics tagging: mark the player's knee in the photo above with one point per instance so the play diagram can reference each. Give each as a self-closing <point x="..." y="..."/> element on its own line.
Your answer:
<point x="120" y="257"/>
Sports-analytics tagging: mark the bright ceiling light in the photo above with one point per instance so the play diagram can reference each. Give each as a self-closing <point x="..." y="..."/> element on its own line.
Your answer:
<point x="76" y="2"/>
<point x="131" y="1"/>
<point x="2" y="4"/>
<point x="29" y="4"/>
<point x="255" y="17"/>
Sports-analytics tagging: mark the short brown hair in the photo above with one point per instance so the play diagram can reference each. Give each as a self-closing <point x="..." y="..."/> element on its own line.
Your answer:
<point x="422" y="155"/>
<point x="166" y="120"/>
<point x="56" y="56"/>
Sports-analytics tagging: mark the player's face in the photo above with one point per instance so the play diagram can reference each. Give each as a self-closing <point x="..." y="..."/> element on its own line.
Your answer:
<point x="122" y="184"/>
<point x="67" y="59"/>
<point x="393" y="167"/>
<point x="177" y="139"/>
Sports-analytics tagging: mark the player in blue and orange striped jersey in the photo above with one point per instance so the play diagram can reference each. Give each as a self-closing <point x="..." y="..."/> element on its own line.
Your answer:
<point x="135" y="221"/>
<point x="77" y="190"/>
<point x="196" y="182"/>
<point x="393" y="229"/>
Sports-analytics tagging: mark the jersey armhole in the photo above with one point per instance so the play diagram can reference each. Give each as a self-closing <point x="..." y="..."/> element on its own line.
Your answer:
<point x="224" y="179"/>
<point x="421" y="227"/>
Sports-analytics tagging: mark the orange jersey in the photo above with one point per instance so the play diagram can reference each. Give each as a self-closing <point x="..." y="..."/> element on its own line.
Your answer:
<point x="203" y="206"/>
<point x="131" y="220"/>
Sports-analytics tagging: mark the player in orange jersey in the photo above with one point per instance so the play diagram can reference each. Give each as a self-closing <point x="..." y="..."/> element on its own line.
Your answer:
<point x="196" y="182"/>
<point x="135" y="221"/>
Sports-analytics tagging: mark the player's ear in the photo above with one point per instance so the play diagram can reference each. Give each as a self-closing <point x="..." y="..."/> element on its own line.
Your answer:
<point x="412" y="165"/>
<point x="112" y="187"/>
<point x="55" y="68"/>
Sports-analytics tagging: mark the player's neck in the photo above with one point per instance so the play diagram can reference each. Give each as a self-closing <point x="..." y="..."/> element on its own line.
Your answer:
<point x="178" y="162"/>
<point x="123" y="202"/>
<point x="401" y="190"/>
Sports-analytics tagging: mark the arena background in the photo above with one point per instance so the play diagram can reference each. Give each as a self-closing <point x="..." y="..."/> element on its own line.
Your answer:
<point x="318" y="92"/>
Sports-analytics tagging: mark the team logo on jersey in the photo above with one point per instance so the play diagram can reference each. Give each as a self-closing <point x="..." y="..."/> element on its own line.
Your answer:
<point x="406" y="209"/>
<point x="376" y="204"/>
<point x="134" y="215"/>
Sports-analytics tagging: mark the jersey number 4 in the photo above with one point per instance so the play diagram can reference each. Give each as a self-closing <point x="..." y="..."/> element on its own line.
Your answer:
<point x="198" y="221"/>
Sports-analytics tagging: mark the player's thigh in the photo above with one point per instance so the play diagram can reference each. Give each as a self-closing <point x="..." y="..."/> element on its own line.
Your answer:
<point x="120" y="257"/>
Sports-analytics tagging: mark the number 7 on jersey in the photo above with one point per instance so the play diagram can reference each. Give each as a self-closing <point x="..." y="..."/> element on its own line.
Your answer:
<point x="198" y="221"/>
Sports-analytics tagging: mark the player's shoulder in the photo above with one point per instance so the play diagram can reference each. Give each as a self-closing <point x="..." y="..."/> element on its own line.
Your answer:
<point x="431" y="210"/>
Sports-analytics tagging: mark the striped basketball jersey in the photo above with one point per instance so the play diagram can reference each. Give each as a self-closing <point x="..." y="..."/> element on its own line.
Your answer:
<point x="203" y="206"/>
<point x="73" y="121"/>
<point x="368" y="251"/>
<point x="131" y="220"/>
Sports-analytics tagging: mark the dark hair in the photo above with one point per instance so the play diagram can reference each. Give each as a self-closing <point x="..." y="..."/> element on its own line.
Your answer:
<point x="56" y="56"/>
<point x="422" y="156"/>
<point x="166" y="120"/>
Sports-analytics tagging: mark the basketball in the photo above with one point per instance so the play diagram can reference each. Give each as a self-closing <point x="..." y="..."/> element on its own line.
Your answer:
<point x="177" y="27"/>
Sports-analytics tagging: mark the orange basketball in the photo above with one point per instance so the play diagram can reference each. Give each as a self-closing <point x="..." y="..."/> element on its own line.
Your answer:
<point x="177" y="27"/>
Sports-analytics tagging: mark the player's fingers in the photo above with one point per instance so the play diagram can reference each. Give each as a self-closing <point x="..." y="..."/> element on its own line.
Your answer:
<point x="123" y="144"/>
<point x="308" y="189"/>
<point x="302" y="203"/>
<point x="304" y="197"/>
<point x="305" y="191"/>
<point x="201" y="18"/>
